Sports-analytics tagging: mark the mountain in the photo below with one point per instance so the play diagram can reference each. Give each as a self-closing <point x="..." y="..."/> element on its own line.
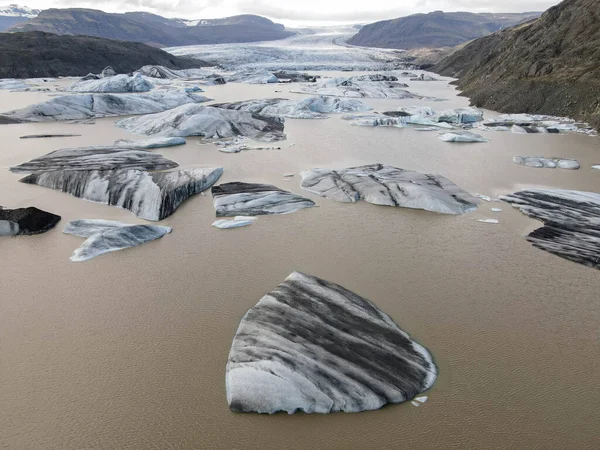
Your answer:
<point x="37" y="54"/>
<point x="434" y="30"/>
<point x="152" y="29"/>
<point x="548" y="66"/>
<point x="13" y="14"/>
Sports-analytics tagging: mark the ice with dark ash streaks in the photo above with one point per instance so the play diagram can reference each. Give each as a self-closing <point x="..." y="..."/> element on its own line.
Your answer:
<point x="251" y="199"/>
<point x="314" y="346"/>
<point x="206" y="121"/>
<point x="104" y="236"/>
<point x="571" y="222"/>
<point x="151" y="196"/>
<point x="391" y="186"/>
<point x="96" y="158"/>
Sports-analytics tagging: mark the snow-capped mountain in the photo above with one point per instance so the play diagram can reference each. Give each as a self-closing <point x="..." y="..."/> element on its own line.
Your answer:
<point x="14" y="14"/>
<point x="18" y="11"/>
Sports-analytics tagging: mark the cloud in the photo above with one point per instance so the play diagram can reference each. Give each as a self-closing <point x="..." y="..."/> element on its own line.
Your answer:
<point x="307" y="11"/>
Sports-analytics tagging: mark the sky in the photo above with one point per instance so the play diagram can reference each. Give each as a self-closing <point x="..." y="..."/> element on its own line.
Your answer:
<point x="297" y="12"/>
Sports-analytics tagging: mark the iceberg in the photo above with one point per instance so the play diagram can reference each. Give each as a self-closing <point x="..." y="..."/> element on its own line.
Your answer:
<point x="156" y="142"/>
<point x="118" y="83"/>
<point x="206" y="121"/>
<point x="87" y="106"/>
<point x="251" y="199"/>
<point x="364" y="86"/>
<point x="308" y="108"/>
<point x="462" y="136"/>
<point x="151" y="196"/>
<point x="311" y="345"/>
<point x="390" y="186"/>
<point x="237" y="222"/>
<point x="253" y="77"/>
<point x="547" y="163"/>
<point x="571" y="222"/>
<point x="96" y="158"/>
<point x="104" y="236"/>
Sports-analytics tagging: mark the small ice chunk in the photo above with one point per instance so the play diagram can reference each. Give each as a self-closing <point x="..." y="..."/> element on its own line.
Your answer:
<point x="462" y="136"/>
<point x="251" y="218"/>
<point x="488" y="221"/>
<point x="225" y="224"/>
<point x="483" y="197"/>
<point x="288" y="175"/>
<point x="496" y="210"/>
<point x="422" y="399"/>
<point x="597" y="167"/>
<point x="415" y="403"/>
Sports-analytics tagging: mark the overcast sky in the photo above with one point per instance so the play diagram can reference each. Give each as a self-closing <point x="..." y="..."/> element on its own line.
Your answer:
<point x="298" y="11"/>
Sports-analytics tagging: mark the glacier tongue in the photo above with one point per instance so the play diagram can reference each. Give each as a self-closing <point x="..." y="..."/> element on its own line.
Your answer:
<point x="151" y="196"/>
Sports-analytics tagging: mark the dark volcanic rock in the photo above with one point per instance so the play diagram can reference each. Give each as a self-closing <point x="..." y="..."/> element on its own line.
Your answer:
<point x="26" y="221"/>
<point x="571" y="222"/>
<point x="434" y="30"/>
<point x="314" y="346"/>
<point x="152" y="29"/>
<point x="547" y="66"/>
<point x="37" y="54"/>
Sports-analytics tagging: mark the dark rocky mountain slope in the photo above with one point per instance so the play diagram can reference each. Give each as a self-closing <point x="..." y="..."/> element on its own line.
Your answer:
<point x="548" y="66"/>
<point x="152" y="29"/>
<point x="37" y="54"/>
<point x="434" y="30"/>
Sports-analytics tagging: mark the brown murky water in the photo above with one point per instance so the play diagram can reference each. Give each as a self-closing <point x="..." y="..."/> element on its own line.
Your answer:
<point x="128" y="350"/>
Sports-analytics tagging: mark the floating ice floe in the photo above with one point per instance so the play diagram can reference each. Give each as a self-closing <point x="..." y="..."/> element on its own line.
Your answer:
<point x="96" y="158"/>
<point x="597" y="167"/>
<point x="253" y="77"/>
<point x="571" y="222"/>
<point x="547" y="163"/>
<point x="390" y="186"/>
<point x="45" y="136"/>
<point x="118" y="83"/>
<point x="308" y="108"/>
<point x="26" y="221"/>
<point x="311" y="345"/>
<point x="462" y="136"/>
<point x="206" y="121"/>
<point x="161" y="72"/>
<point x="424" y="77"/>
<point x="237" y="222"/>
<point x="533" y="123"/>
<point x="104" y="236"/>
<point x="151" y="196"/>
<point x="461" y="115"/>
<point x="364" y="86"/>
<point x="86" y="106"/>
<point x="156" y="142"/>
<point x="251" y="199"/>
<point x="292" y="76"/>
<point x="193" y="89"/>
<point x="483" y="197"/>
<point x="10" y="84"/>
<point x="493" y="221"/>
<point x="496" y="210"/>
<point x="241" y="144"/>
